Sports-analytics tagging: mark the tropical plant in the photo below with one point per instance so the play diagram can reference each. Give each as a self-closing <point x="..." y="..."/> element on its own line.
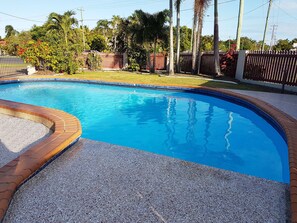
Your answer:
<point x="63" y="24"/>
<point x="185" y="38"/>
<point x="228" y="62"/>
<point x="94" y="61"/>
<point x="36" y="53"/>
<point x="97" y="42"/>
<point x="149" y="29"/>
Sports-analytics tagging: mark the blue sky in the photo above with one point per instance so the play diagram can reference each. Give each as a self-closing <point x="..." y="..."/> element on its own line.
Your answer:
<point x="283" y="14"/>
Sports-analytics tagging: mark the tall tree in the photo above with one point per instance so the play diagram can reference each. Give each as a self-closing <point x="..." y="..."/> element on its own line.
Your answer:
<point x="216" y="40"/>
<point x="148" y="29"/>
<point x="10" y="31"/>
<point x="194" y="36"/>
<point x="171" y="54"/>
<point x="203" y="4"/>
<point x="177" y="5"/>
<point x="115" y="23"/>
<point x="199" y="9"/>
<point x="63" y="24"/>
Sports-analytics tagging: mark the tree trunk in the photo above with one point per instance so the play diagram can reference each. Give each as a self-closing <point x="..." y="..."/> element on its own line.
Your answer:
<point x="148" y="55"/>
<point x="171" y="54"/>
<point x="154" y="61"/>
<point x="199" y="35"/>
<point x="194" y="45"/>
<point x="178" y="37"/>
<point x="216" y="40"/>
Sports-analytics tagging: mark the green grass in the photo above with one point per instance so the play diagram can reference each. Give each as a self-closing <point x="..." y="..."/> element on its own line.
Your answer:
<point x="155" y="79"/>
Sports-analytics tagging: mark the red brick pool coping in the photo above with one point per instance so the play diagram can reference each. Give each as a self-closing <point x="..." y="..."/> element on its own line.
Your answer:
<point x="28" y="163"/>
<point x="66" y="130"/>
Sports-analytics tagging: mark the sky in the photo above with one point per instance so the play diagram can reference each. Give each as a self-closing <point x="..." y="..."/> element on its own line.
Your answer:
<point x="22" y="15"/>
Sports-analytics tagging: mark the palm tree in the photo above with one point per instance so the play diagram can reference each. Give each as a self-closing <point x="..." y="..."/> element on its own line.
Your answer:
<point x="202" y="8"/>
<point x="194" y="36"/>
<point x="148" y="29"/>
<point x="216" y="40"/>
<point x="171" y="63"/>
<point x="177" y="5"/>
<point x="199" y="8"/>
<point x="62" y="23"/>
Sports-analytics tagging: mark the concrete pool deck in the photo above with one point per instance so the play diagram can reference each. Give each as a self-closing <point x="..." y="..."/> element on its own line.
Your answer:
<point x="219" y="193"/>
<point x="19" y="135"/>
<point x="65" y="129"/>
<point x="285" y="102"/>
<point x="100" y="182"/>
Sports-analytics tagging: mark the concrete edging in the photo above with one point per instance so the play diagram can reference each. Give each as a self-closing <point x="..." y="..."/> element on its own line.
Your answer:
<point x="66" y="130"/>
<point x="286" y="124"/>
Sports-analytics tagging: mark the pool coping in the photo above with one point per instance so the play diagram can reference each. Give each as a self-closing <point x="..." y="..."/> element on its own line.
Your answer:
<point x="66" y="130"/>
<point x="280" y="120"/>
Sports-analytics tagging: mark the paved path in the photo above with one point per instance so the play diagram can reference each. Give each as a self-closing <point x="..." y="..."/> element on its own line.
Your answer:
<point x="285" y="102"/>
<point x="17" y="135"/>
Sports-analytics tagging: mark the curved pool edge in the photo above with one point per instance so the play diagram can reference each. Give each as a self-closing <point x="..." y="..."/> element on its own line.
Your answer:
<point x="66" y="131"/>
<point x="283" y="122"/>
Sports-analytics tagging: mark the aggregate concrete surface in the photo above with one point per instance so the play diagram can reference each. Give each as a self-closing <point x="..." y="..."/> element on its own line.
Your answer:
<point x="285" y="102"/>
<point x="100" y="182"/>
<point x="17" y="135"/>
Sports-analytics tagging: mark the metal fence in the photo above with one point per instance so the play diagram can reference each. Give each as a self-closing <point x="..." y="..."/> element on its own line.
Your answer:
<point x="11" y="66"/>
<point x="276" y="67"/>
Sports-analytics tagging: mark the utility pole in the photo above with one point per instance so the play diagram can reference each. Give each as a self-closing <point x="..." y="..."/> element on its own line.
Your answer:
<point x="216" y="40"/>
<point x="239" y="24"/>
<point x="266" y="23"/>
<point x="272" y="42"/>
<point x="82" y="26"/>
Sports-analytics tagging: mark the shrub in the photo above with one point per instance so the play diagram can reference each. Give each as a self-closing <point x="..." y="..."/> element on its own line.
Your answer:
<point x="36" y="53"/>
<point x="98" y="43"/>
<point x="94" y="61"/>
<point x="136" y="58"/>
<point x="228" y="62"/>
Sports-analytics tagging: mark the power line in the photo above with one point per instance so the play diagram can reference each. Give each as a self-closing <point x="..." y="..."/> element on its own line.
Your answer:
<point x="285" y="11"/>
<point x="17" y="17"/>
<point x="248" y="12"/>
<point x="190" y="9"/>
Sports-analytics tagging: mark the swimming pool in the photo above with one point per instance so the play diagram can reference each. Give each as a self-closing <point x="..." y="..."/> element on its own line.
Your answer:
<point x="188" y="126"/>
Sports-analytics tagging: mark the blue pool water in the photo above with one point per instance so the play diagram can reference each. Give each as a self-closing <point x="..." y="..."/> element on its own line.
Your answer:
<point x="188" y="126"/>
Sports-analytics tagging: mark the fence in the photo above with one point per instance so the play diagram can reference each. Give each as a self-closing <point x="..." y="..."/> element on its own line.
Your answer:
<point x="186" y="62"/>
<point x="161" y="60"/>
<point x="207" y="63"/>
<point x="110" y="61"/>
<point x="11" y="66"/>
<point x="275" y="67"/>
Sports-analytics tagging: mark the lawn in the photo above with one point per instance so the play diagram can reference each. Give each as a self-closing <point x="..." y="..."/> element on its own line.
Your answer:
<point x="154" y="79"/>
